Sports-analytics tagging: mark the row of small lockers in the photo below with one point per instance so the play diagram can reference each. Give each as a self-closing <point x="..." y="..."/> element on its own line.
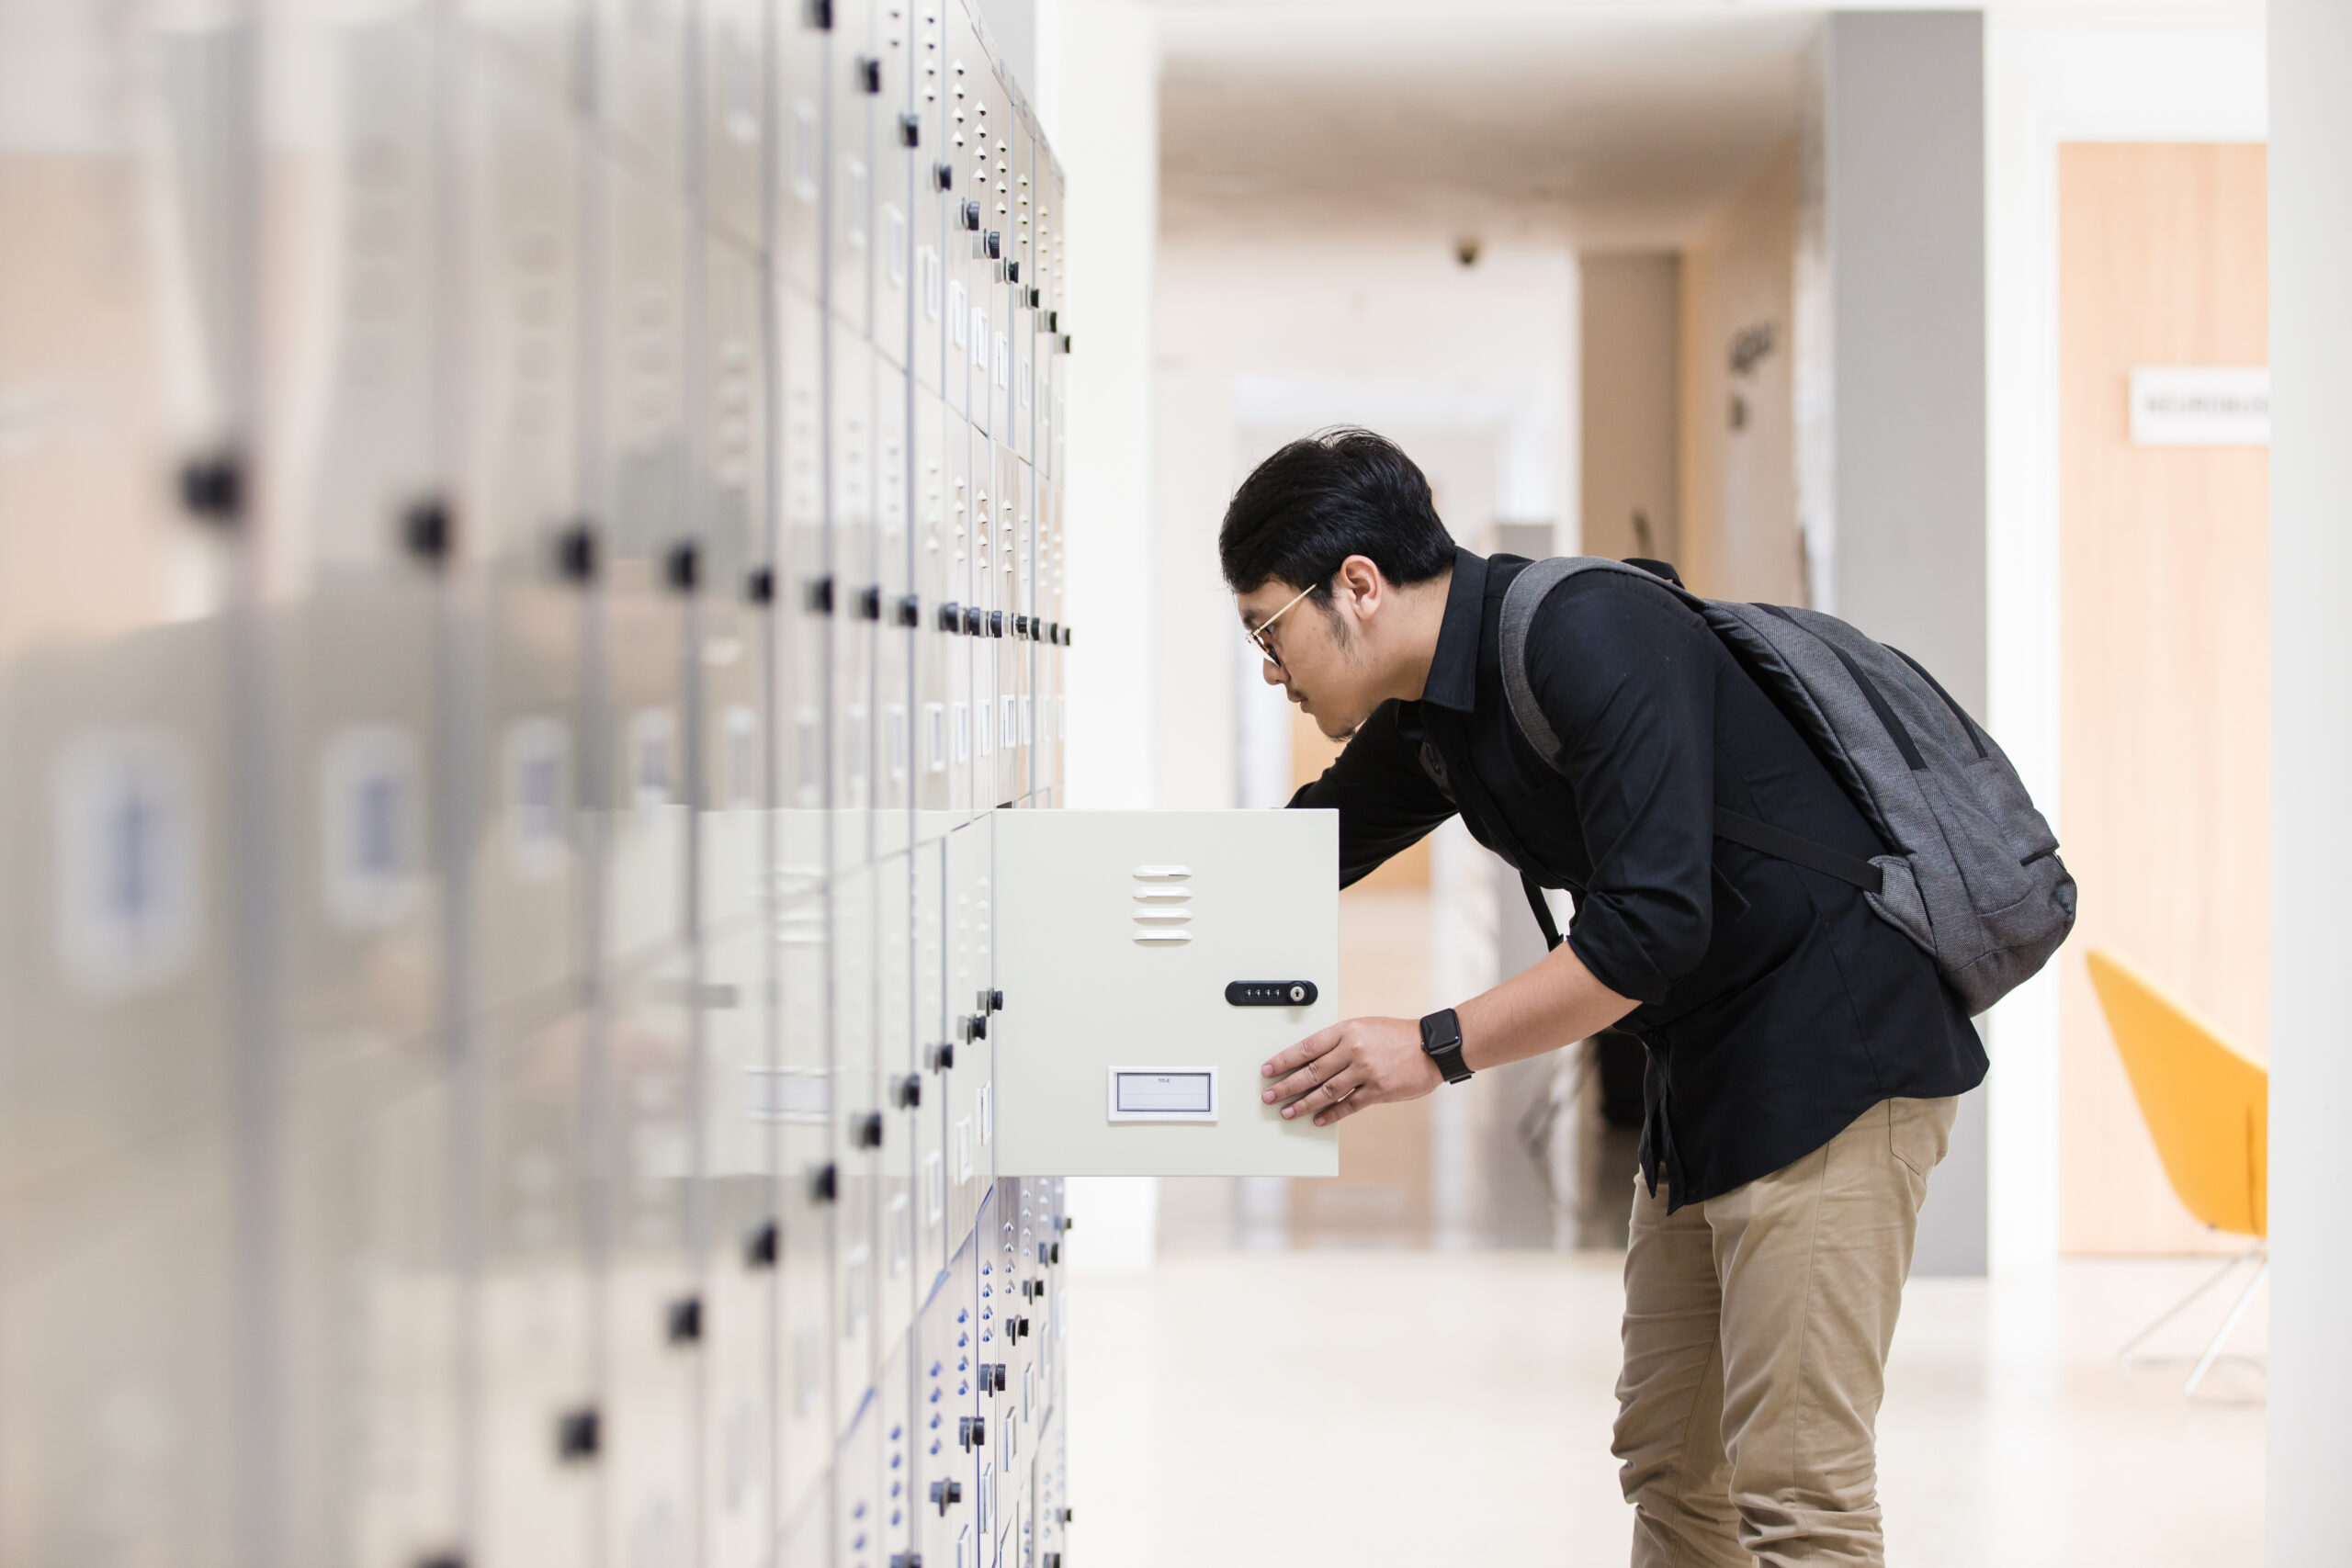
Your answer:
<point x="530" y="540"/>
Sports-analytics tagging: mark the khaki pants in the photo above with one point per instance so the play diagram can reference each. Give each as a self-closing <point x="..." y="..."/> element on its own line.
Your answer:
<point x="1757" y="1327"/>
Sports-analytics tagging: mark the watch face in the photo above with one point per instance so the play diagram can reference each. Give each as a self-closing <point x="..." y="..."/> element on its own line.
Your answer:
<point x="1441" y="1031"/>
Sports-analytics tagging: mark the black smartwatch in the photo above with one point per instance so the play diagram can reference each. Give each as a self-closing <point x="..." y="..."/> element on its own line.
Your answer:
<point x="1441" y="1043"/>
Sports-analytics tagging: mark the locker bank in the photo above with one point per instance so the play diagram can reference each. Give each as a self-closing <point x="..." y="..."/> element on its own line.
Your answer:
<point x="546" y="995"/>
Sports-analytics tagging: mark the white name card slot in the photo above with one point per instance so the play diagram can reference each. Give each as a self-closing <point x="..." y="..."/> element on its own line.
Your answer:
<point x="1163" y="1094"/>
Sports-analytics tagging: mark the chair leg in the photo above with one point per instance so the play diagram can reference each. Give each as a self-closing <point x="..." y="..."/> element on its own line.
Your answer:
<point x="2229" y="1326"/>
<point x="2124" y="1357"/>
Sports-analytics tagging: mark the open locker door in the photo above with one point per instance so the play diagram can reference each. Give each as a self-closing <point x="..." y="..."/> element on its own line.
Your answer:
<point x="1150" y="961"/>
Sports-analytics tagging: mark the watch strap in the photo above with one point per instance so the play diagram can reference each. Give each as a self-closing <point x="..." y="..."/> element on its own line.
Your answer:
<point x="1441" y="1043"/>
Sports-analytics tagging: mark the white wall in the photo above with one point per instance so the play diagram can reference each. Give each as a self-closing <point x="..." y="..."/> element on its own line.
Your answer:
<point x="1100" y="108"/>
<point x="2192" y="75"/>
<point x="2311" y="551"/>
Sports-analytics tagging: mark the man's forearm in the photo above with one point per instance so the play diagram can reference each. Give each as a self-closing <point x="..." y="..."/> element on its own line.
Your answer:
<point x="1547" y="1006"/>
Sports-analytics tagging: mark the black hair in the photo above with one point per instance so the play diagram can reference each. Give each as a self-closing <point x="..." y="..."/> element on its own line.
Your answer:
<point x="1335" y="493"/>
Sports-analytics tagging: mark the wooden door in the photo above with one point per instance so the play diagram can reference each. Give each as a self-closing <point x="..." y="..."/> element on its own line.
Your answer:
<point x="2164" y="649"/>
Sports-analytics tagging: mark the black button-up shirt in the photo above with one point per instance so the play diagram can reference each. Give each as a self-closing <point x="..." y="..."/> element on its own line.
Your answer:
<point x="1775" y="1005"/>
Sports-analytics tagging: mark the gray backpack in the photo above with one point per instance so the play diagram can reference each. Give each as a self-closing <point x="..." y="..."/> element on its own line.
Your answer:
<point x="1972" y="874"/>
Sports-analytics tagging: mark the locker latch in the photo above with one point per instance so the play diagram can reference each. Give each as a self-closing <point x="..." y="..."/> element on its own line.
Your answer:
<point x="578" y="1435"/>
<point x="946" y="1492"/>
<point x="909" y="1092"/>
<point x="683" y="1321"/>
<point x="943" y="1057"/>
<point x="866" y="1130"/>
<point x="973" y="1430"/>
<point x="760" y="1246"/>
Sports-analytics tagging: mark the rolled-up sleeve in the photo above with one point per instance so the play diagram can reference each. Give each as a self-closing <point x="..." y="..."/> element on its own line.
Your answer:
<point x="1387" y="801"/>
<point x="1625" y="674"/>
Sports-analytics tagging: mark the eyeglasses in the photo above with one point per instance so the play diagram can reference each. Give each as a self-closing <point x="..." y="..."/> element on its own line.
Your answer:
<point x="1257" y="634"/>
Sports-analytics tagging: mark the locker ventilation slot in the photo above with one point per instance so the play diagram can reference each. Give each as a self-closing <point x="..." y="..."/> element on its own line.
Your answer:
<point x="1160" y="917"/>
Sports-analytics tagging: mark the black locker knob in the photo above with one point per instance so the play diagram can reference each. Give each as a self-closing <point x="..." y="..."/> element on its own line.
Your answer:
<point x="1013" y="272"/>
<point x="1054" y="633"/>
<point x="426" y="532"/>
<point x="974" y="1431"/>
<point x="819" y="596"/>
<point x="869" y="74"/>
<point x="972" y="622"/>
<point x="825" y="1183"/>
<point x="869" y="604"/>
<point x="951" y="617"/>
<point x="972" y="216"/>
<point x="996" y="1001"/>
<point x="575" y="553"/>
<point x="914" y="1560"/>
<point x="1019" y="1328"/>
<point x="1066" y="637"/>
<point x="759" y="585"/>
<point x="996" y="623"/>
<point x="909" y="131"/>
<point x="1069" y="1514"/>
<point x="943" y="1057"/>
<point x="821" y="15"/>
<point x="1057" y="1257"/>
<point x="1053" y="1560"/>
<point x="760" y="1247"/>
<point x="996" y="245"/>
<point x="942" y="1493"/>
<point x="943" y="176"/>
<point x="1020" y="626"/>
<point x="909" y="1092"/>
<point x="996" y="1376"/>
<point x="1053" y="320"/>
<point x="683" y="1323"/>
<point x="214" y="488"/>
<point x="866" y="1130"/>
<point x="1033" y="297"/>
<point x="910" y="612"/>
<point x="1065" y="344"/>
<point x="579" y="1434"/>
<point x="978" y="1026"/>
<point x="683" y="568"/>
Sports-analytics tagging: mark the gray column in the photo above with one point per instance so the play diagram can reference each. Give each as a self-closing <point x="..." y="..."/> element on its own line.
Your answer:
<point x="1894" y="511"/>
<point x="2311" y="757"/>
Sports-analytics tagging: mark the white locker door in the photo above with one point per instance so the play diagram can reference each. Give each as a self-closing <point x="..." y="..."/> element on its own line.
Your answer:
<point x="1120" y="938"/>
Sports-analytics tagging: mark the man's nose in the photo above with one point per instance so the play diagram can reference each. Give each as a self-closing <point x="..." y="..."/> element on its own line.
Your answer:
<point x="1270" y="671"/>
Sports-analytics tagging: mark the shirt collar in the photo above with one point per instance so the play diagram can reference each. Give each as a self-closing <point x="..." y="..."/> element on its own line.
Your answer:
<point x="1453" y="668"/>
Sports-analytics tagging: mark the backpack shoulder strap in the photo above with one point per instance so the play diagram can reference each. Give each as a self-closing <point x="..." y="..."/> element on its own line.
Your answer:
<point x="1520" y="601"/>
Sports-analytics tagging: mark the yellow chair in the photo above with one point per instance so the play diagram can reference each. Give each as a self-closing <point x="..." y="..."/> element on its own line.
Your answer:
<point x="2206" y="1104"/>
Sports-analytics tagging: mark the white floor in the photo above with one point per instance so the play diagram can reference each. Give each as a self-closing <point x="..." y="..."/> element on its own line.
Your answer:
<point x="1422" y="1408"/>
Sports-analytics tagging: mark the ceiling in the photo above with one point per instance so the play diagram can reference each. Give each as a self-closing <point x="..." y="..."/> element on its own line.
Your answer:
<point x="1606" y="124"/>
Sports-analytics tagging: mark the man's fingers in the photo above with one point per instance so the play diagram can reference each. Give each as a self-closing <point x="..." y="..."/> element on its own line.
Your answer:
<point x="1291" y="1057"/>
<point x="1330" y="1093"/>
<point x="1342" y="1110"/>
<point x="1311" y="1076"/>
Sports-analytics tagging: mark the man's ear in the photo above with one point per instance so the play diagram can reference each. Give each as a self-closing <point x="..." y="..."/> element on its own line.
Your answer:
<point x="1361" y="579"/>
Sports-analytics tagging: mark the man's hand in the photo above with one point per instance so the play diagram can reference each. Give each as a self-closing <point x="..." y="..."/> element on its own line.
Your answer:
<point x="1336" y="1072"/>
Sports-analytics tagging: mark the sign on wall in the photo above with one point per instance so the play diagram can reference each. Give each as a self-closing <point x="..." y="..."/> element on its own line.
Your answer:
<point x="2200" y="405"/>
